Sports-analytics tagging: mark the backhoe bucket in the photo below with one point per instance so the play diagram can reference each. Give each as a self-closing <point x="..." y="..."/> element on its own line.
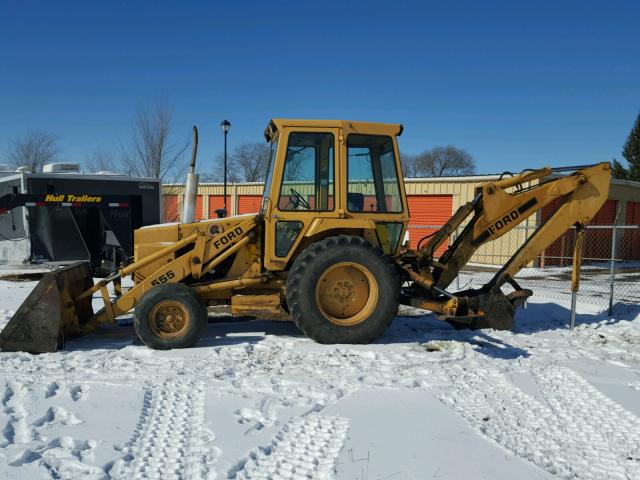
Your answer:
<point x="51" y="314"/>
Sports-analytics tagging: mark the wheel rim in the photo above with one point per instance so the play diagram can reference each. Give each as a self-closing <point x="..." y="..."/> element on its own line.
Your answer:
<point x="347" y="293"/>
<point x="169" y="319"/>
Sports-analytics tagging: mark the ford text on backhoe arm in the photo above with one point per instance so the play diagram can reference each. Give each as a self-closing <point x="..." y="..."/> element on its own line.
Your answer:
<point x="325" y="247"/>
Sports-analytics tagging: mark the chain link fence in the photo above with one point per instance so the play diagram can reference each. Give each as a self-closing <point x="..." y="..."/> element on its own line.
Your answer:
<point x="609" y="274"/>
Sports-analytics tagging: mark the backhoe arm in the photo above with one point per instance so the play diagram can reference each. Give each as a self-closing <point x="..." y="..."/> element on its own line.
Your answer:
<point x="496" y="212"/>
<point x="579" y="208"/>
<point x="493" y="213"/>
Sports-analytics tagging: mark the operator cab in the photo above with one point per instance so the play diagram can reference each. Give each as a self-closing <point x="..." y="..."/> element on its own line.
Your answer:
<point x="321" y="170"/>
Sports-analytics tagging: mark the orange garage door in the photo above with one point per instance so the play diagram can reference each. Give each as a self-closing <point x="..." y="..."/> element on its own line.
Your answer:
<point x="216" y="202"/>
<point x="172" y="213"/>
<point x="249" y="203"/>
<point x="428" y="211"/>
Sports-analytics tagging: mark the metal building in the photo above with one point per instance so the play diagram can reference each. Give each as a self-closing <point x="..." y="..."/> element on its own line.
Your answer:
<point x="431" y="202"/>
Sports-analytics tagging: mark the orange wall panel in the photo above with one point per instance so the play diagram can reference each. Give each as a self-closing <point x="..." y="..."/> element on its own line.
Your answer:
<point x="170" y="208"/>
<point x="216" y="202"/>
<point x="198" y="212"/>
<point x="629" y="246"/>
<point x="249" y="203"/>
<point x="633" y="213"/>
<point x="428" y="210"/>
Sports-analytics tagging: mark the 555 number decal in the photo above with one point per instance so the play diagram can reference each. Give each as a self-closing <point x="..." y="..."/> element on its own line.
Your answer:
<point x="164" y="278"/>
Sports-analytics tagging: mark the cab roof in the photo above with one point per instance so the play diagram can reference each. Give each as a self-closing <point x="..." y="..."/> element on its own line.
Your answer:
<point x="349" y="126"/>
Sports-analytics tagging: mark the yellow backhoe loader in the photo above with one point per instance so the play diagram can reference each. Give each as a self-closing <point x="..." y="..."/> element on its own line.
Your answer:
<point x="326" y="247"/>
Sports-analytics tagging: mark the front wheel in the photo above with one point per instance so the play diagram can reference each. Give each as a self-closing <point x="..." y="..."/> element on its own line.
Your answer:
<point x="170" y="316"/>
<point x="343" y="290"/>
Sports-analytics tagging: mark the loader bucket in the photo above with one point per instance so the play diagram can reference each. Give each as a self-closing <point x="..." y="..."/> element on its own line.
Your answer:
<point x="51" y="314"/>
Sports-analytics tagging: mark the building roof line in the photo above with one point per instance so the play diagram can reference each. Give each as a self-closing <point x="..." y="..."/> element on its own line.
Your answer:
<point x="465" y="178"/>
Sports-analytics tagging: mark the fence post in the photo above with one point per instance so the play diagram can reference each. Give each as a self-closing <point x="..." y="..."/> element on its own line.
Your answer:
<point x="575" y="276"/>
<point x="614" y="241"/>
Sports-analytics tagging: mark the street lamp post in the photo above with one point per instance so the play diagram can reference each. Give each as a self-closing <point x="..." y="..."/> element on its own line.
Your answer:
<point x="225" y="125"/>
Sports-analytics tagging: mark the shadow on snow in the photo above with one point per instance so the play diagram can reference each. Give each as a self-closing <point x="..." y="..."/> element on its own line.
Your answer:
<point x="225" y="331"/>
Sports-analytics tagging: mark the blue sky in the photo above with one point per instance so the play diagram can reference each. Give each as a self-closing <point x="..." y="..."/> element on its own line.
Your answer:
<point x="517" y="84"/>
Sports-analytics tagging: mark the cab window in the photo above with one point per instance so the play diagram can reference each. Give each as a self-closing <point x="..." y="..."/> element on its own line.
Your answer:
<point x="307" y="182"/>
<point x="372" y="175"/>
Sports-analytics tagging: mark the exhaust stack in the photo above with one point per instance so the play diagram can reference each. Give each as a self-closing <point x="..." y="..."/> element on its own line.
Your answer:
<point x="191" y="186"/>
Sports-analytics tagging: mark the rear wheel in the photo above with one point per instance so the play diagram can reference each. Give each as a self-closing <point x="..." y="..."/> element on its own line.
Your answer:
<point x="170" y="316"/>
<point x="343" y="290"/>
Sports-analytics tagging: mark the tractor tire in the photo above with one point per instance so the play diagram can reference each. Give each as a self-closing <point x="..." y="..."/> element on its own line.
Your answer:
<point x="170" y="316"/>
<point x="342" y="289"/>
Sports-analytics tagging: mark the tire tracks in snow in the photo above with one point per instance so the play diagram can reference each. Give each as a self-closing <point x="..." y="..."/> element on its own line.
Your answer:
<point x="28" y="442"/>
<point x="610" y="435"/>
<point x="17" y="430"/>
<point x="306" y="447"/>
<point x="170" y="441"/>
<point x="575" y="432"/>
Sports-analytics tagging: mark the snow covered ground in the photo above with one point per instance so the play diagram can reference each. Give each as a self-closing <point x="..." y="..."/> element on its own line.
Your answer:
<point x="258" y="400"/>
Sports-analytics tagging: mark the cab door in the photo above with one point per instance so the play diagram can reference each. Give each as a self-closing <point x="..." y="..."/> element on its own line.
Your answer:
<point x="374" y="188"/>
<point x="303" y="189"/>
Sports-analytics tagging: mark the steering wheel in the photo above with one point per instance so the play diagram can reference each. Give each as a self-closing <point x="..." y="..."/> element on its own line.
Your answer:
<point x="299" y="200"/>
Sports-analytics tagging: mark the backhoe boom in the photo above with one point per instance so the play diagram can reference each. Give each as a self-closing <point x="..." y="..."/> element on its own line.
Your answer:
<point x="495" y="212"/>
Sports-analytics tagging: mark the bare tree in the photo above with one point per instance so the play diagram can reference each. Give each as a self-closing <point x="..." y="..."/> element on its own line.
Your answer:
<point x="445" y="161"/>
<point x="247" y="163"/>
<point x="33" y="149"/>
<point x="152" y="151"/>
<point x="209" y="177"/>
<point x="409" y="165"/>
<point x="233" y="174"/>
<point x="101" y="161"/>
<point x="251" y="160"/>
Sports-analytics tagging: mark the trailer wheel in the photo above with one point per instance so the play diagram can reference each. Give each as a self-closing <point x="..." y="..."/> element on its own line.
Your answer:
<point x="170" y="316"/>
<point x="343" y="290"/>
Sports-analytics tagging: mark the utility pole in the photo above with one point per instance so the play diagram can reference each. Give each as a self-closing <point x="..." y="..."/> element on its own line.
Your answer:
<point x="225" y="125"/>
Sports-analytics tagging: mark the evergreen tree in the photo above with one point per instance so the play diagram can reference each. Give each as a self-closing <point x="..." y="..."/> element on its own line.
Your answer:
<point x="631" y="151"/>
<point x="619" y="171"/>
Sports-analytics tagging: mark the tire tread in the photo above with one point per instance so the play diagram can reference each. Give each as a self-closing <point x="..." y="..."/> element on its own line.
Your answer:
<point x="324" y="331"/>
